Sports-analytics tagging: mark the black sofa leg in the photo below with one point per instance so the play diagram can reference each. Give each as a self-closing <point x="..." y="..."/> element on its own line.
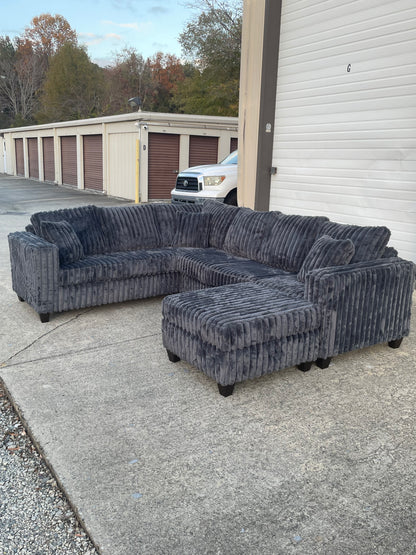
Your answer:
<point x="226" y="390"/>
<point x="21" y="299"/>
<point x="395" y="344"/>
<point x="172" y="357"/>
<point x="305" y="366"/>
<point x="323" y="362"/>
<point x="44" y="317"/>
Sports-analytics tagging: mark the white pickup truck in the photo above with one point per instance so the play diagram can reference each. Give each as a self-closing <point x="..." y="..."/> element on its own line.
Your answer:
<point x="215" y="182"/>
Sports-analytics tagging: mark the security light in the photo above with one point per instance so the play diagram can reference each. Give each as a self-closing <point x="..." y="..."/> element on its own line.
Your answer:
<point x="136" y="101"/>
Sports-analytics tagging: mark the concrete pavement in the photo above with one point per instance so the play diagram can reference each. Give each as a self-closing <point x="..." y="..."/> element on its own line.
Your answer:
<point x="155" y="461"/>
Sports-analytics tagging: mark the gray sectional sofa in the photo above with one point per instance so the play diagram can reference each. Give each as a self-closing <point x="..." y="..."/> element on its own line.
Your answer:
<point x="248" y="292"/>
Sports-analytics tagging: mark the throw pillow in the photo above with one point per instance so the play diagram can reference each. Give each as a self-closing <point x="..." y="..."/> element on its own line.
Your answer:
<point x="192" y="230"/>
<point x="327" y="252"/>
<point x="62" y="234"/>
<point x="369" y="242"/>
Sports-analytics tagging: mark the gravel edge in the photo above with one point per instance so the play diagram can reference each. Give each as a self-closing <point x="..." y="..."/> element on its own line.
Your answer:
<point x="35" y="514"/>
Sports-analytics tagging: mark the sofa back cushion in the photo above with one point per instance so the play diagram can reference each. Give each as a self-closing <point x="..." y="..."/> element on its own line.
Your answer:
<point x="192" y="230"/>
<point x="325" y="252"/>
<point x="165" y="215"/>
<point x="62" y="234"/>
<point x="290" y="240"/>
<point x="222" y="217"/>
<point x="369" y="242"/>
<point x="131" y="228"/>
<point x="85" y="221"/>
<point x="248" y="232"/>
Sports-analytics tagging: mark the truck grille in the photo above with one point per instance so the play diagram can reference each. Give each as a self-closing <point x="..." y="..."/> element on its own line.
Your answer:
<point x="187" y="183"/>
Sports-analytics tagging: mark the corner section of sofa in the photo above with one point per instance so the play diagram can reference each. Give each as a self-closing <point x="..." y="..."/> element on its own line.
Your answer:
<point x="362" y="304"/>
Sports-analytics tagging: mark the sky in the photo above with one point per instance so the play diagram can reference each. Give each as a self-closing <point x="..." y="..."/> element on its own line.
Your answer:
<point x="107" y="26"/>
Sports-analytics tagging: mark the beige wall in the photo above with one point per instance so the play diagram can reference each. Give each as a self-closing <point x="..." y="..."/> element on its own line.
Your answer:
<point x="250" y="79"/>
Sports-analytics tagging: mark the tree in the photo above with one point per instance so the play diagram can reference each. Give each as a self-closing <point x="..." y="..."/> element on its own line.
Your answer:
<point x="23" y="66"/>
<point x="22" y="71"/>
<point x="166" y="72"/>
<point x="74" y="86"/>
<point x="212" y="42"/>
<point x="129" y="76"/>
<point x="213" y="38"/>
<point x="48" y="33"/>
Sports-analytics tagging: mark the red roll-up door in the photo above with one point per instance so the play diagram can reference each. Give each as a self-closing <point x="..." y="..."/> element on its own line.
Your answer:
<point x="69" y="160"/>
<point x="20" y="160"/>
<point x="32" y="150"/>
<point x="48" y="159"/>
<point x="163" y="164"/>
<point x="233" y="144"/>
<point x="203" y="150"/>
<point x="93" y="162"/>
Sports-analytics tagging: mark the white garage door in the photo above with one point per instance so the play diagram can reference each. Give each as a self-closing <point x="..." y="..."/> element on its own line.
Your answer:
<point x="345" y="140"/>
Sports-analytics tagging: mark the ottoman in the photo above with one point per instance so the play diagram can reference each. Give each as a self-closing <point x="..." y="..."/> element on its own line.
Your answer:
<point x="242" y="331"/>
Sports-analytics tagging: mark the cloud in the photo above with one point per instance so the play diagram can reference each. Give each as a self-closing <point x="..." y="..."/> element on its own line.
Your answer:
<point x="145" y="26"/>
<point x="157" y="10"/>
<point x="91" y="39"/>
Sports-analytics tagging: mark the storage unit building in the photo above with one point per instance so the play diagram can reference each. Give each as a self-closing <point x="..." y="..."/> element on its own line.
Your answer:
<point x="127" y="156"/>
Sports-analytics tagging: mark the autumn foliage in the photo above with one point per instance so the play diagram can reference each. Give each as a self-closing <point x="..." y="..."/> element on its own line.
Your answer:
<point x="46" y="76"/>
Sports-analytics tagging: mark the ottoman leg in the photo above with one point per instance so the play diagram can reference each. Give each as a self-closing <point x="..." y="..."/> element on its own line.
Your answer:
<point x="395" y="344"/>
<point x="44" y="317"/>
<point x="226" y="390"/>
<point x="323" y="362"/>
<point x="172" y="357"/>
<point x="305" y="366"/>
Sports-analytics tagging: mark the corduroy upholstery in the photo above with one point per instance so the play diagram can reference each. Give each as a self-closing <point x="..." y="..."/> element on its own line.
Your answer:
<point x="238" y="332"/>
<point x="222" y="217"/>
<point x="235" y="306"/>
<point x="325" y="252"/>
<point x="369" y="242"/>
<point x="289" y="241"/>
<point x="192" y="230"/>
<point x="63" y="235"/>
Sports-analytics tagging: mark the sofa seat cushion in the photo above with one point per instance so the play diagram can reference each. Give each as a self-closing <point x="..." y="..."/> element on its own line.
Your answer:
<point x="117" y="266"/>
<point x="369" y="242"/>
<point x="238" y="316"/>
<point x="86" y="222"/>
<point x="286" y="283"/>
<point x="214" y="267"/>
<point x="290" y="240"/>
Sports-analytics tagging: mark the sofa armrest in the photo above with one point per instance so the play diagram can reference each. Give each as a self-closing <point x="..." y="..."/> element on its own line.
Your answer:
<point x="35" y="266"/>
<point x="362" y="304"/>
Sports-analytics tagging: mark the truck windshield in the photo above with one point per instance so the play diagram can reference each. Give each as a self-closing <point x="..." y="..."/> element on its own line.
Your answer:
<point x="231" y="159"/>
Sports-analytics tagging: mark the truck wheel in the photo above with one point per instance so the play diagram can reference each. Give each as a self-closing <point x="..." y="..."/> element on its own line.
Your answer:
<point x="231" y="198"/>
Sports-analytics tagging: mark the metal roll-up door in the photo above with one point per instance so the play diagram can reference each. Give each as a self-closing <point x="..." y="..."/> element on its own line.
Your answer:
<point x="32" y="149"/>
<point x="48" y="159"/>
<point x="163" y="164"/>
<point x="20" y="159"/>
<point x="69" y="160"/>
<point x="203" y="150"/>
<point x="93" y="162"/>
<point x="233" y="144"/>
